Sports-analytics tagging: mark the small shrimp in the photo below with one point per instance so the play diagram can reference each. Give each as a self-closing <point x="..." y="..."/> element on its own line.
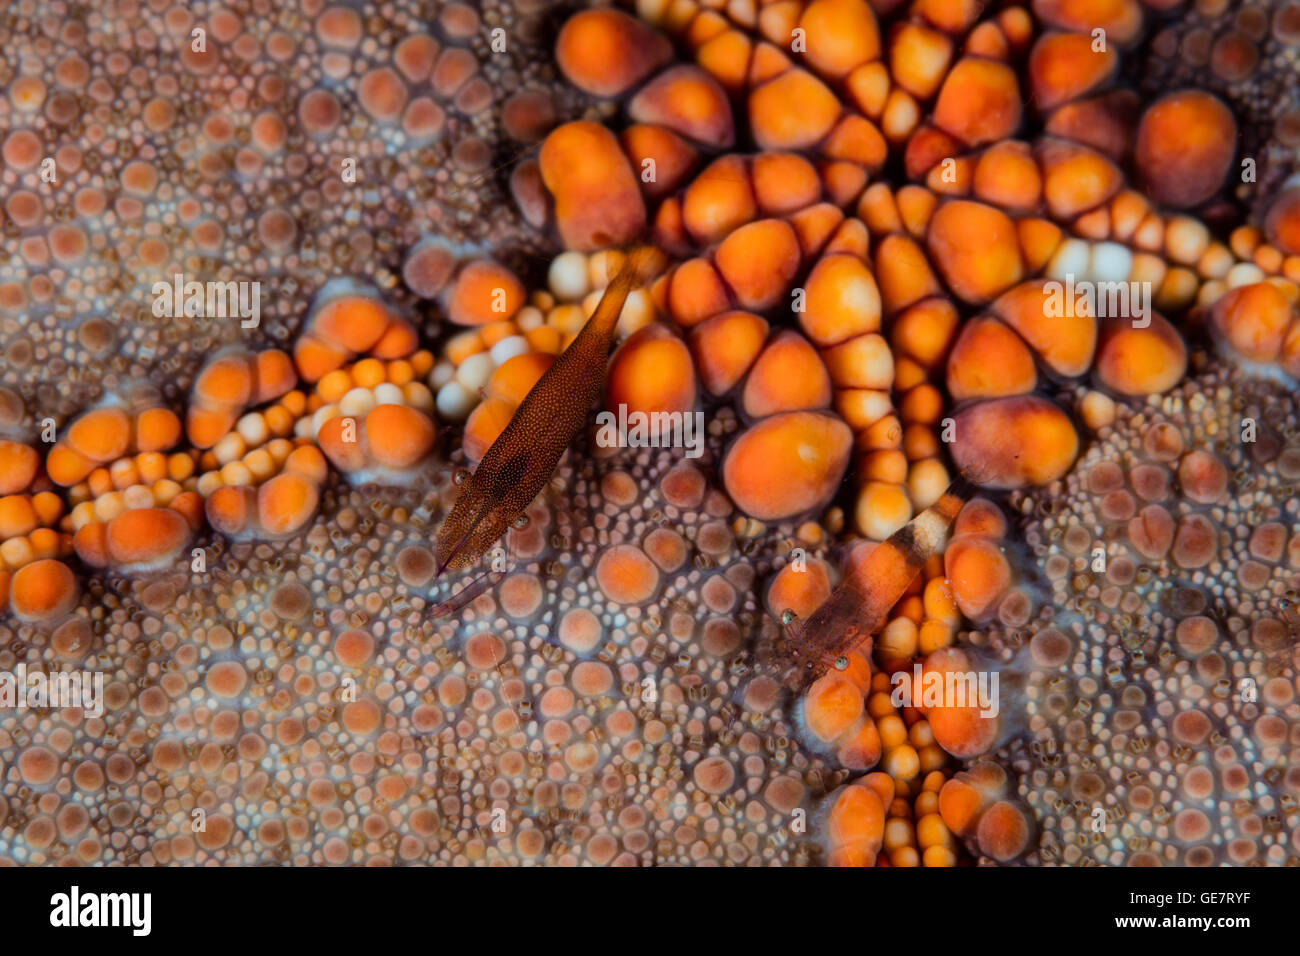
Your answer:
<point x="1289" y="611"/>
<point x="860" y="606"/>
<point x="523" y="457"/>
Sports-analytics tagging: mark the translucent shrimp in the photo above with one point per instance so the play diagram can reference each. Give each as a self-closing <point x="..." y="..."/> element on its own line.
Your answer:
<point x="860" y="606"/>
<point x="525" y="454"/>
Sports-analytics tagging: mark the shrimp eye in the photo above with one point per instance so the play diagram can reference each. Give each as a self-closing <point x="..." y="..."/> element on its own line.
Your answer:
<point x="841" y="663"/>
<point x="461" y="476"/>
<point x="521" y="522"/>
<point x="788" y="616"/>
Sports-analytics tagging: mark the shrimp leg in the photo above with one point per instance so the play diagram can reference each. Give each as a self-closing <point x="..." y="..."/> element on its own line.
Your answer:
<point x="466" y="594"/>
<point x="485" y="580"/>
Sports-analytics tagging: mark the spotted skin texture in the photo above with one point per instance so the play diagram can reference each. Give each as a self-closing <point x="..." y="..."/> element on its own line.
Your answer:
<point x="448" y="714"/>
<point x="600" y="697"/>
<point x="1162" y="691"/>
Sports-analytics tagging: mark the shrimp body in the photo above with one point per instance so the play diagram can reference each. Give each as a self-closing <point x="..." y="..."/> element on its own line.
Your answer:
<point x="860" y="605"/>
<point x="523" y="457"/>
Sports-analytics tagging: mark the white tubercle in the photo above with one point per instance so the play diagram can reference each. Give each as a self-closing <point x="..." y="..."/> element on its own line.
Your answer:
<point x="601" y="267"/>
<point x="230" y="447"/>
<point x="529" y="317"/>
<point x="357" y="402"/>
<point x="441" y="374"/>
<point x="1111" y="262"/>
<point x="253" y="429"/>
<point x="1186" y="240"/>
<point x="417" y="395"/>
<point x="1070" y="259"/>
<point x="454" y="402"/>
<point x="638" y="312"/>
<point x="508" y="348"/>
<point x="386" y="393"/>
<point x="137" y="496"/>
<point x="322" y="415"/>
<point x="567" y="276"/>
<point x="1244" y="273"/>
<point x="475" y="371"/>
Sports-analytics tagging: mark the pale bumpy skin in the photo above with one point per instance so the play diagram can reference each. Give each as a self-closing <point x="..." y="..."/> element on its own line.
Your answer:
<point x="277" y="101"/>
<point x="1161" y="690"/>
<point x="533" y="704"/>
<point x="226" y="690"/>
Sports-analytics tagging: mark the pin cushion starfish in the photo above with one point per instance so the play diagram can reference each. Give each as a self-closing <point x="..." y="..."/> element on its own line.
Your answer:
<point x="900" y="243"/>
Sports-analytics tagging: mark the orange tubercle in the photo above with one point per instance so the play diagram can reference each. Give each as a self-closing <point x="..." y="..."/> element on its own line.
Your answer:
<point x="607" y="52"/>
<point x="1254" y="318"/>
<point x="976" y="272"/>
<point x="787" y="464"/>
<point x="146" y="536"/>
<point x="758" y="261"/>
<point x="788" y="376"/>
<point x="979" y="102"/>
<point x="725" y="346"/>
<point x="598" y="199"/>
<point x="101" y="435"/>
<point x="842" y="300"/>
<point x="1185" y="145"/>
<point x="792" y="111"/>
<point x="43" y="590"/>
<point x="1014" y="442"/>
<point x="988" y="360"/>
<point x="1140" y="361"/>
<point x="19" y="464"/>
<point x="484" y="292"/>
<point x="156" y="429"/>
<point x="398" y="436"/>
<point x="286" y="502"/>
<point x="832" y="706"/>
<point x="978" y="574"/>
<point x="651" y="372"/>
<point x="688" y="101"/>
<point x="857" y="826"/>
